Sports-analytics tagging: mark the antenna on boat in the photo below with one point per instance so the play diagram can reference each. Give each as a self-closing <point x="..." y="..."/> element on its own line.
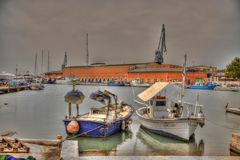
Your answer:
<point x="183" y="78"/>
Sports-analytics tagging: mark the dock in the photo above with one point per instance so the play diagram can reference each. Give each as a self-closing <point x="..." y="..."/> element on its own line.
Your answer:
<point x="6" y="89"/>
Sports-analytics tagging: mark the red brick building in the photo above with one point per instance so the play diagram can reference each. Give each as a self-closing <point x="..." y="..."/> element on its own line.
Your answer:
<point x="148" y="72"/>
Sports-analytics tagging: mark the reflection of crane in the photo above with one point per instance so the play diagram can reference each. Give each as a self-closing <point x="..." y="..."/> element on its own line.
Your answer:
<point x="161" y="48"/>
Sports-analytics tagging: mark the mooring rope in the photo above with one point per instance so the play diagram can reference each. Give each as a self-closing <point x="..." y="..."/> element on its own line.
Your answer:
<point x="72" y="137"/>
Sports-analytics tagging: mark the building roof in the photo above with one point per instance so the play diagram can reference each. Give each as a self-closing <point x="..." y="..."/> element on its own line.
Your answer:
<point x="54" y="72"/>
<point x="156" y="70"/>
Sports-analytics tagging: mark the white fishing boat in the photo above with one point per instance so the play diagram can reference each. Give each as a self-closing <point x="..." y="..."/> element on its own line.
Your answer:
<point x="139" y="83"/>
<point x="159" y="117"/>
<point x="36" y="84"/>
<point x="64" y="80"/>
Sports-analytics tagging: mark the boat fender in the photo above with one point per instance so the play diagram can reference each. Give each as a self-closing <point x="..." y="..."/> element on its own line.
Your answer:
<point x="123" y="127"/>
<point x="73" y="127"/>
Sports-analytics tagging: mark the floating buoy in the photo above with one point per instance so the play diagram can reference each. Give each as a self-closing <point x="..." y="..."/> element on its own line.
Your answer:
<point x="73" y="127"/>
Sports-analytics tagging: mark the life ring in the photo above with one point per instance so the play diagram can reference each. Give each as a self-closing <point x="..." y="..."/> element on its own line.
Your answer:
<point x="73" y="127"/>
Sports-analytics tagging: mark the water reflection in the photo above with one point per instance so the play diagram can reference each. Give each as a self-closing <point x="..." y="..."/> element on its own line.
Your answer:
<point x="160" y="145"/>
<point x="102" y="146"/>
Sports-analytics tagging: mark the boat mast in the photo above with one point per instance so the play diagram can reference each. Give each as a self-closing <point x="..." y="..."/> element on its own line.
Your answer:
<point x="87" y="50"/>
<point x="183" y="78"/>
<point x="36" y="66"/>
<point x="42" y="63"/>
<point x="16" y="69"/>
<point x="48" y="69"/>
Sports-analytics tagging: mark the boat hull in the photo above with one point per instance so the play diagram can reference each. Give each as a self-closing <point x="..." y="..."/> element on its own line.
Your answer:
<point x="177" y="128"/>
<point x="202" y="87"/>
<point x="98" y="129"/>
<point x="116" y="84"/>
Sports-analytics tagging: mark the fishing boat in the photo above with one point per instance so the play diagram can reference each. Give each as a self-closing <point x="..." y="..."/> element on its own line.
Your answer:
<point x="116" y="83"/>
<point x="99" y="122"/>
<point x="203" y="86"/>
<point x="139" y="83"/>
<point x="64" y="80"/>
<point x="36" y="84"/>
<point x="235" y="110"/>
<point x="159" y="117"/>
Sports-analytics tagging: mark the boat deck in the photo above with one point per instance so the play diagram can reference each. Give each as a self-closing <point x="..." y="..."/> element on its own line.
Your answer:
<point x="101" y="117"/>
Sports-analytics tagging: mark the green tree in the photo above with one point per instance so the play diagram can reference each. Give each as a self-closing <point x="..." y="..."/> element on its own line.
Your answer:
<point x="233" y="69"/>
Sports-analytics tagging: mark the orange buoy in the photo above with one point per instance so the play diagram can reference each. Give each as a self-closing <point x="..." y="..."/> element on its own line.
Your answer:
<point x="73" y="127"/>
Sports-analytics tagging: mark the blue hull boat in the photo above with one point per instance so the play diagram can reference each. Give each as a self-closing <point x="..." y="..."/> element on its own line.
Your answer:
<point x="116" y="84"/>
<point x="202" y="87"/>
<point x="98" y="122"/>
<point x="99" y="129"/>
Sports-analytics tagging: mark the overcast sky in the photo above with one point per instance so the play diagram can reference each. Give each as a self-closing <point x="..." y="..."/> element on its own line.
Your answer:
<point x="120" y="31"/>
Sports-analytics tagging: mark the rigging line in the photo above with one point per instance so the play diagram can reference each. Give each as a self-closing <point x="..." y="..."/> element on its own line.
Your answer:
<point x="238" y="129"/>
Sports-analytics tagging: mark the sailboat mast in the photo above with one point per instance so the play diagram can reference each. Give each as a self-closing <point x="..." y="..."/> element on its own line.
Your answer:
<point x="36" y="66"/>
<point x="87" y="50"/>
<point x="48" y="67"/>
<point x="16" y="69"/>
<point x="183" y="78"/>
<point x="42" y="63"/>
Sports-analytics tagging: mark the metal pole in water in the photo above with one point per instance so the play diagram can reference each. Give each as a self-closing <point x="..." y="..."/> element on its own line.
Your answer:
<point x="77" y="110"/>
<point x="69" y="111"/>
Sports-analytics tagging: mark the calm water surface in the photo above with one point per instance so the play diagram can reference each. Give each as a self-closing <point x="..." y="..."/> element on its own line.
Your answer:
<point x="39" y="114"/>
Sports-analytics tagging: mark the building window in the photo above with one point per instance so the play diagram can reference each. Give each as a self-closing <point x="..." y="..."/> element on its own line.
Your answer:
<point x="155" y="80"/>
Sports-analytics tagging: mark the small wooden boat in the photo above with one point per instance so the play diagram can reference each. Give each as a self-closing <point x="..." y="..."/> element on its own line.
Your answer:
<point x="234" y="110"/>
<point x="99" y="122"/>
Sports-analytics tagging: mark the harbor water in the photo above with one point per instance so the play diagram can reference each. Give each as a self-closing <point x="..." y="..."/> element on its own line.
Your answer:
<point x="39" y="114"/>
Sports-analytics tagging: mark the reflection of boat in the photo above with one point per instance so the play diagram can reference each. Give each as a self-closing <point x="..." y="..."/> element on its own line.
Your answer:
<point x="167" y="146"/>
<point x="202" y="86"/>
<point x="99" y="122"/>
<point x="159" y="117"/>
<point x="103" y="145"/>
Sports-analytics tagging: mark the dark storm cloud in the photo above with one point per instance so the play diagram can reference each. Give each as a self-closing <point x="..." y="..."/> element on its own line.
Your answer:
<point x="123" y="31"/>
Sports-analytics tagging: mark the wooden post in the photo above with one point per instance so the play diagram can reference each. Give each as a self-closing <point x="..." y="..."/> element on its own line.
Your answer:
<point x="77" y="110"/>
<point x="69" y="111"/>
